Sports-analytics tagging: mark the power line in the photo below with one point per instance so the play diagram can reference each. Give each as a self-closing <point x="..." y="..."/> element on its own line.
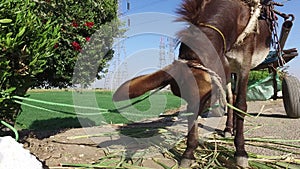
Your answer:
<point x="143" y="6"/>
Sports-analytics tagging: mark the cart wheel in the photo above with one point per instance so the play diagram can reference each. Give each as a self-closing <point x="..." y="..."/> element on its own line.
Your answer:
<point x="291" y="96"/>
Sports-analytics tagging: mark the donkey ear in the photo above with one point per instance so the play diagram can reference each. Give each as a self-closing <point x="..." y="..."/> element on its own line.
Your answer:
<point x="140" y="85"/>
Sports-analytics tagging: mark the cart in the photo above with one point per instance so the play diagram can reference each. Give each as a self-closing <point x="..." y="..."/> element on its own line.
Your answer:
<point x="290" y="84"/>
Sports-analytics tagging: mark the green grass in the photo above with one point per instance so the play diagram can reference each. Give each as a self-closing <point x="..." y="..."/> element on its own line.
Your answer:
<point x="51" y="117"/>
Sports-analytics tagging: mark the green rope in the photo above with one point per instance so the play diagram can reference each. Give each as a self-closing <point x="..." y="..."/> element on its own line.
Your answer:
<point x="54" y="111"/>
<point x="106" y="111"/>
<point x="230" y="106"/>
<point x="239" y="110"/>
<point x="59" y="104"/>
<point x="12" y="128"/>
<point x="141" y="99"/>
<point x="81" y="114"/>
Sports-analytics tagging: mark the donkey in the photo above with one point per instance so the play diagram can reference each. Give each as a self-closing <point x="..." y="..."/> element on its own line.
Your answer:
<point x="223" y="37"/>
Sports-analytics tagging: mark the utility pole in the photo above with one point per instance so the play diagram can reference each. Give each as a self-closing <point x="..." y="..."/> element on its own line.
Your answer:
<point x="118" y="72"/>
<point x="166" y="51"/>
<point x="162" y="53"/>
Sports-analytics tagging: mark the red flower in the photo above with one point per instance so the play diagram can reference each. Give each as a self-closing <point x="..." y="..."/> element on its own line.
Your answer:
<point x="75" y="24"/>
<point x="87" y="39"/>
<point x="89" y="24"/>
<point x="76" y="46"/>
<point x="56" y="46"/>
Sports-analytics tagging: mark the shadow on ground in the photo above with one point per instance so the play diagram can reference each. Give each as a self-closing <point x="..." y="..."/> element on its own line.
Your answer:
<point x="143" y="139"/>
<point x="41" y="129"/>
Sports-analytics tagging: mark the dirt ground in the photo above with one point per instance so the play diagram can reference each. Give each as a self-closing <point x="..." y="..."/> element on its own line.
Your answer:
<point x="60" y="147"/>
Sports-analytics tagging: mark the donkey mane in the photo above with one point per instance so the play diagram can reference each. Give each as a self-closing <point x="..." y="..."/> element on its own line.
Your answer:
<point x="195" y="12"/>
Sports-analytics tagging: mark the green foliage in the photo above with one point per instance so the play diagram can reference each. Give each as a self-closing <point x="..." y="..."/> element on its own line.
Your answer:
<point x="256" y="76"/>
<point x="26" y="42"/>
<point x="40" y="42"/>
<point x="82" y="34"/>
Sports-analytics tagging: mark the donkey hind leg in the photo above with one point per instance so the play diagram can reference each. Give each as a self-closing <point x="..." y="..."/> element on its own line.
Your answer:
<point x="231" y="88"/>
<point x="228" y="131"/>
<point x="192" y="141"/>
<point x="239" y="141"/>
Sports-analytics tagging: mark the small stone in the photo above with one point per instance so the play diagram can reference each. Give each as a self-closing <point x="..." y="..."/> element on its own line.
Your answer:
<point x="56" y="155"/>
<point x="174" y="119"/>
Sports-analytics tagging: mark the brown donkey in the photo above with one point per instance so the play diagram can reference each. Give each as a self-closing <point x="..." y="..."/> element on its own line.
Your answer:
<point x="237" y="38"/>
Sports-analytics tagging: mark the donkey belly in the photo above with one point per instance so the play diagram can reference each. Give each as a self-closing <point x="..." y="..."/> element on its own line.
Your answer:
<point x="236" y="58"/>
<point x="259" y="56"/>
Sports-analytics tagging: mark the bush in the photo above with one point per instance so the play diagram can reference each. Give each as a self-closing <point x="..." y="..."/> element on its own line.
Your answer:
<point x="40" y="42"/>
<point x="26" y="42"/>
<point x="80" y="20"/>
<point x="257" y="75"/>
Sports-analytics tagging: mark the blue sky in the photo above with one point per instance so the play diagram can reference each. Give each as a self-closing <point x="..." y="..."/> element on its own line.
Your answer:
<point x="150" y="20"/>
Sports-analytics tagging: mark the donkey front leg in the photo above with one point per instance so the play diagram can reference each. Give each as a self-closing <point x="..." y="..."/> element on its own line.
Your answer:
<point x="239" y="141"/>
<point x="192" y="141"/>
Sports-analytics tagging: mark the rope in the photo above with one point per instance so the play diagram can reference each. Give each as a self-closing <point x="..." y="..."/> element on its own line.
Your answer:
<point x="251" y="3"/>
<point x="215" y="78"/>
<point x="252" y="24"/>
<point x="12" y="128"/>
<point x="102" y="111"/>
<point x="54" y="111"/>
<point x="239" y="110"/>
<point x="219" y="31"/>
<point x="232" y="107"/>
<point x="81" y="114"/>
<point x="58" y="104"/>
<point x="142" y="99"/>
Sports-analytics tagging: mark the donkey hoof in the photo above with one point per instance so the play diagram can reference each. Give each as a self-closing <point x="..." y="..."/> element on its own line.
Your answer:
<point x="242" y="162"/>
<point x="227" y="134"/>
<point x="186" y="163"/>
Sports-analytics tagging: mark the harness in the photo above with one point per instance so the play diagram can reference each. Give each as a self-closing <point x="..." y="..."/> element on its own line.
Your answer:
<point x="252" y="24"/>
<point x="217" y="30"/>
<point x="259" y="11"/>
<point x="214" y="77"/>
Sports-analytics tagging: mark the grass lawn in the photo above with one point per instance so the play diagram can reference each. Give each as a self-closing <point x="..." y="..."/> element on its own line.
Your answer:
<point x="49" y="117"/>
